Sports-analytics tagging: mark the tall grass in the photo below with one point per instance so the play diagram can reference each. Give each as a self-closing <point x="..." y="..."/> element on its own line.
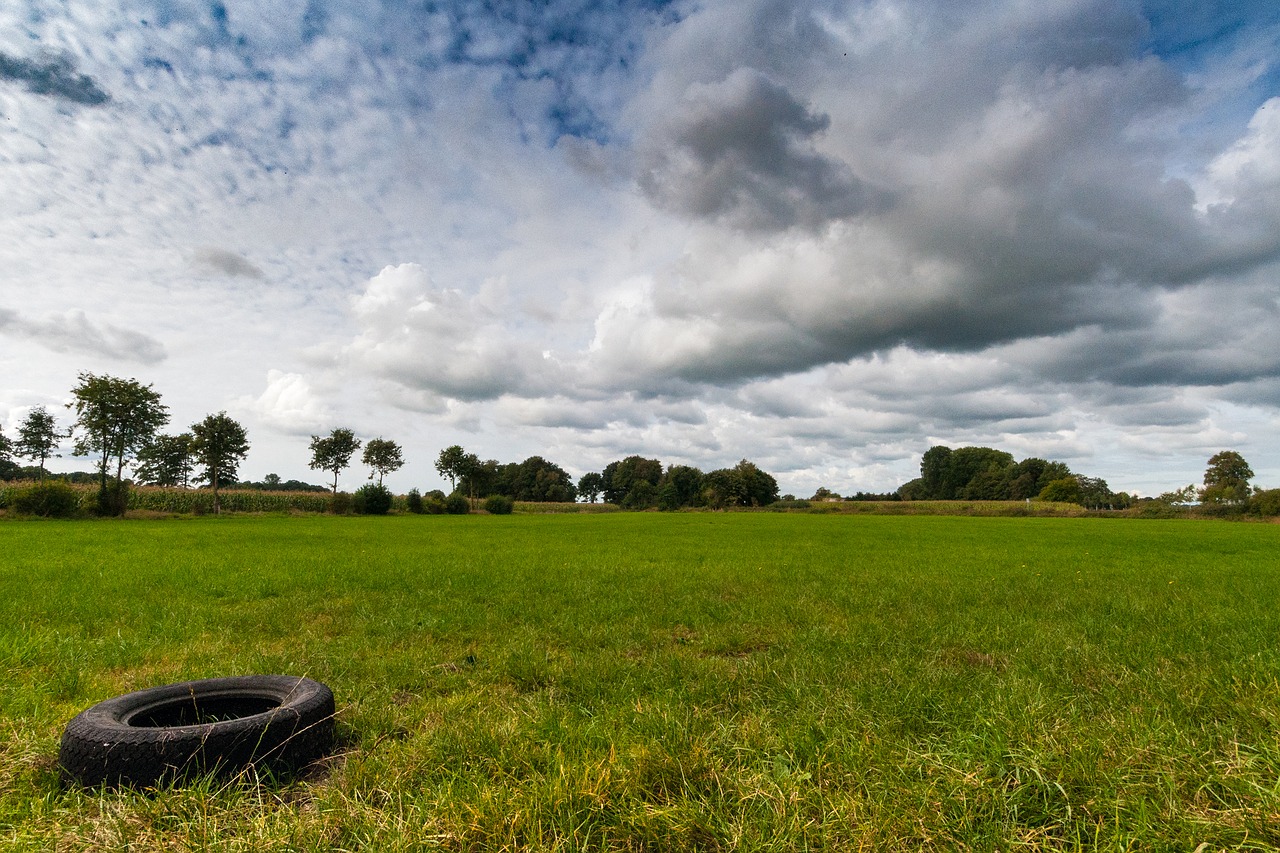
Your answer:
<point x="671" y="681"/>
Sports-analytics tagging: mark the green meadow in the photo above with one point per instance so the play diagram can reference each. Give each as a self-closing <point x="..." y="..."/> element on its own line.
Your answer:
<point x="692" y="681"/>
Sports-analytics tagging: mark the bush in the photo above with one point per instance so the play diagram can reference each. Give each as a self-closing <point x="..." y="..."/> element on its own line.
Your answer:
<point x="1265" y="504"/>
<point x="50" y="500"/>
<point x="341" y="504"/>
<point x="413" y="502"/>
<point x="456" y="504"/>
<point x="113" y="498"/>
<point x="372" y="499"/>
<point x="499" y="505"/>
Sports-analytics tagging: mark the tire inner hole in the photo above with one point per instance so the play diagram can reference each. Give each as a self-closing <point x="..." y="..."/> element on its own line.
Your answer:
<point x="189" y="711"/>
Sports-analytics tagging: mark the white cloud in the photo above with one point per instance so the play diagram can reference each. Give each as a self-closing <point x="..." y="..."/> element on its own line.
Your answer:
<point x="1249" y="169"/>
<point x="438" y="339"/>
<point x="289" y="405"/>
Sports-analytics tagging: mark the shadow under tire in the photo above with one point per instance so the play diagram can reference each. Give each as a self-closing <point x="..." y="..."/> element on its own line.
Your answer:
<point x="279" y="723"/>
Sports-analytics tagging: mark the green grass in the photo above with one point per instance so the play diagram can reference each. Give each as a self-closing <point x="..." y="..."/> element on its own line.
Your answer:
<point x="664" y="682"/>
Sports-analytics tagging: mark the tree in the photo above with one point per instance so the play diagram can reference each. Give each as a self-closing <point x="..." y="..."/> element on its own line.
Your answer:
<point x="451" y="464"/>
<point x="620" y="477"/>
<point x="116" y="419"/>
<point x="1094" y="492"/>
<point x="935" y="473"/>
<point x="742" y="485"/>
<point x="590" y="486"/>
<point x="38" y="438"/>
<point x="1226" y="480"/>
<point x="536" y="479"/>
<point x="685" y="483"/>
<point x="970" y="473"/>
<point x="383" y="456"/>
<point x="333" y="452"/>
<point x="218" y="444"/>
<point x="478" y="477"/>
<point x="1065" y="490"/>
<point x="758" y="487"/>
<point x="980" y="473"/>
<point x="1179" y="497"/>
<point x="6" y="452"/>
<point x="641" y="495"/>
<point x="166" y="461"/>
<point x="1031" y="475"/>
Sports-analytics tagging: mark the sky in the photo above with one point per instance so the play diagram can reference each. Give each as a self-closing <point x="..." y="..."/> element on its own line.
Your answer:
<point x="823" y="236"/>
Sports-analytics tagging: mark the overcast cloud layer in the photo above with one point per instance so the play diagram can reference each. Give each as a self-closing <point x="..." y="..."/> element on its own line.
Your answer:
<point x="820" y="235"/>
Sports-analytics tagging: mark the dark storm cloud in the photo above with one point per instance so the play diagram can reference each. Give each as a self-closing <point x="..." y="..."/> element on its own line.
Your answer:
<point x="56" y="78"/>
<point x="741" y="151"/>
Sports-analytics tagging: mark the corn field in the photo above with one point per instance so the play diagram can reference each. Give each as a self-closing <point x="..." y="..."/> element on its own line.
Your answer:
<point x="199" y="501"/>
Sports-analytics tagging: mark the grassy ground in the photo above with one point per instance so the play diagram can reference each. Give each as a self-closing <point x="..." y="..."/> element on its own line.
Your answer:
<point x="661" y="682"/>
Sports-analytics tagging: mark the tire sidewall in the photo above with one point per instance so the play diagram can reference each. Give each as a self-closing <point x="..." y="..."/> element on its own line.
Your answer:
<point x="100" y="746"/>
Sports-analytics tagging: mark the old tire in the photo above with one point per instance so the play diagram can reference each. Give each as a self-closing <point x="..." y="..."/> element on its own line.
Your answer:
<point x="217" y="725"/>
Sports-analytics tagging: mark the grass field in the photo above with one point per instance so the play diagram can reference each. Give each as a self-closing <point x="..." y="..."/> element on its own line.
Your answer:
<point x="670" y="681"/>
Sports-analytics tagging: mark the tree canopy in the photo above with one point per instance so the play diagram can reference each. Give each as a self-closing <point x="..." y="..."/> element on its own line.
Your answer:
<point x="1226" y="480"/>
<point x="6" y="455"/>
<point x="621" y="477"/>
<point x="116" y="418"/>
<point x="218" y="444"/>
<point x="382" y="456"/>
<point x="333" y="452"/>
<point x="39" y="437"/>
<point x="166" y="461"/>
<point x="452" y="465"/>
<point x="590" y="485"/>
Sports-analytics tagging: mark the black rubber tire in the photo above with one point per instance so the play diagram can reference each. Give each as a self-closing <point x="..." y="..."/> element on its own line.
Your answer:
<point x="216" y="725"/>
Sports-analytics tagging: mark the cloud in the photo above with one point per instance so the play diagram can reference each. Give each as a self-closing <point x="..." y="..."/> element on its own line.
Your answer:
<point x="54" y="77"/>
<point x="1032" y="197"/>
<point x="220" y="261"/>
<point x="441" y="340"/>
<point x="288" y="404"/>
<point x="76" y="333"/>
<point x="741" y="151"/>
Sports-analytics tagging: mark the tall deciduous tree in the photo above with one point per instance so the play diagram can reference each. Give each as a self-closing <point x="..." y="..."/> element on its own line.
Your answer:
<point x="452" y="465"/>
<point x="590" y="485"/>
<point x="624" y="475"/>
<point x="6" y="452"/>
<point x="116" y="418"/>
<point x="383" y="456"/>
<point x="1226" y="480"/>
<point x="685" y="484"/>
<point x="38" y="437"/>
<point x="166" y="461"/>
<point x="333" y="452"/>
<point x="218" y="445"/>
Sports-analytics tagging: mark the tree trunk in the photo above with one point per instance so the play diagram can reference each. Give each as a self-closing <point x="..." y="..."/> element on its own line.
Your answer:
<point x="217" y="509"/>
<point x="120" y="484"/>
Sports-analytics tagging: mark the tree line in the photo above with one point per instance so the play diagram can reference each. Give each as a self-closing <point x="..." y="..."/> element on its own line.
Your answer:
<point x="120" y="421"/>
<point x="635" y="482"/>
<point x="983" y="473"/>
